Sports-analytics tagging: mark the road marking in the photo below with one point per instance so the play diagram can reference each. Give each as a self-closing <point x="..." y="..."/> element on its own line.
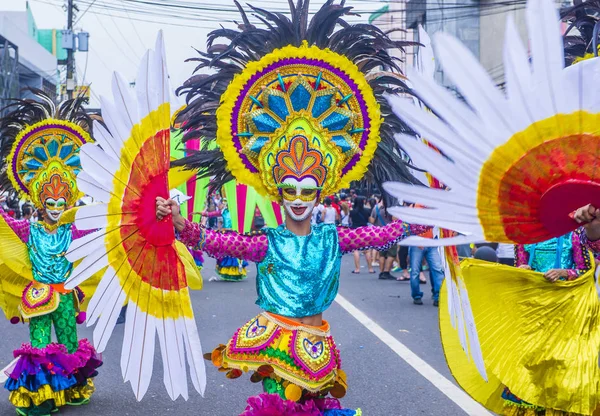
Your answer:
<point x="462" y="399"/>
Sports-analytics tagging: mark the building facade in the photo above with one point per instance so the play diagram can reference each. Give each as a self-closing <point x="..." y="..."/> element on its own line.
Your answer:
<point x="24" y="61"/>
<point x="479" y="24"/>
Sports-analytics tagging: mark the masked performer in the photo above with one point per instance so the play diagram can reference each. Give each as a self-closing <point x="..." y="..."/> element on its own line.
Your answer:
<point x="297" y="112"/>
<point x="42" y="144"/>
<point x="300" y="118"/>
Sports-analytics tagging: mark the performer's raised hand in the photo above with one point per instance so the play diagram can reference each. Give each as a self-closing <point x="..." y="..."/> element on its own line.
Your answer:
<point x="589" y="216"/>
<point x="165" y="207"/>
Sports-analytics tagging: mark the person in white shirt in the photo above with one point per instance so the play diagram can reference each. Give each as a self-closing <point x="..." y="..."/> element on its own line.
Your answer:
<point x="317" y="215"/>
<point x="506" y="254"/>
<point x="328" y="213"/>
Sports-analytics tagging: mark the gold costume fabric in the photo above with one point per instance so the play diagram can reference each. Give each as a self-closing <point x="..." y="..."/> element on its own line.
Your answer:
<point x="539" y="338"/>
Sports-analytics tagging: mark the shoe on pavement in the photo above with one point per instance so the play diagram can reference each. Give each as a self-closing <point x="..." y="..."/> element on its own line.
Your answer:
<point x="436" y="303"/>
<point x="417" y="301"/>
<point x="386" y="276"/>
<point x="397" y="269"/>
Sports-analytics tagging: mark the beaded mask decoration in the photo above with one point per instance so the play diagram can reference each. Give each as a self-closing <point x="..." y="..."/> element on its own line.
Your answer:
<point x="299" y="112"/>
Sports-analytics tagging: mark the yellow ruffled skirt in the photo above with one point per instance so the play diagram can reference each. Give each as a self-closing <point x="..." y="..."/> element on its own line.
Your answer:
<point x="25" y="398"/>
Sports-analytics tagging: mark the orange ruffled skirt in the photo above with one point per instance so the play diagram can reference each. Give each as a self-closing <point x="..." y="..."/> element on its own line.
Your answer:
<point x="303" y="358"/>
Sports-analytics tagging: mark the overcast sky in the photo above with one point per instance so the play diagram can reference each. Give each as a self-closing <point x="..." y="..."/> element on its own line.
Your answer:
<point x="118" y="41"/>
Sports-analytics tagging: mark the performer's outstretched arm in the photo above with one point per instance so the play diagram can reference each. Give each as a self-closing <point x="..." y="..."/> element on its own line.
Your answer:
<point x="221" y="244"/>
<point x="363" y="238"/>
<point x="19" y="227"/>
<point x="215" y="244"/>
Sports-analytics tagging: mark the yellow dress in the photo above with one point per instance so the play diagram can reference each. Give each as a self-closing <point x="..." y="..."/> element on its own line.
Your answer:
<point x="541" y="339"/>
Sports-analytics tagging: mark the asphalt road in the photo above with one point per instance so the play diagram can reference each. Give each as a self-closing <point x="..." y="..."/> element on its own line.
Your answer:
<point x="381" y="383"/>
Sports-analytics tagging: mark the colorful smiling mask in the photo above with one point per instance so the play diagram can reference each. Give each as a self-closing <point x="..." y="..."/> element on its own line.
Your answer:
<point x="44" y="152"/>
<point x="297" y="121"/>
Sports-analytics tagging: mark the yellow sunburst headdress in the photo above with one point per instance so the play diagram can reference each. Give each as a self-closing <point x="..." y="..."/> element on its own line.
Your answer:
<point x="303" y="100"/>
<point x="41" y="142"/>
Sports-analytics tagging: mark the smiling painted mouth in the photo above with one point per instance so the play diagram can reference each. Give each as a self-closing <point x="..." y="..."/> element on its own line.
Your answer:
<point x="298" y="210"/>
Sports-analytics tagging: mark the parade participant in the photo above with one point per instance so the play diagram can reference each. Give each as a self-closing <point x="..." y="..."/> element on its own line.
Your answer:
<point x="516" y="163"/>
<point x="560" y="259"/>
<point x="299" y="121"/>
<point x="40" y="144"/>
<point x="229" y="269"/>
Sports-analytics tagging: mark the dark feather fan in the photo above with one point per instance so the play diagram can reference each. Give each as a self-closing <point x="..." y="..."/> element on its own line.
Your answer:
<point x="229" y="51"/>
<point x="23" y="113"/>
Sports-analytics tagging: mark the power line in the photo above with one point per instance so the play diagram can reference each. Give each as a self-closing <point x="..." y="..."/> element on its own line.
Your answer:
<point x="124" y="37"/>
<point x="135" y="29"/>
<point x="84" y="12"/>
<point x="114" y="41"/>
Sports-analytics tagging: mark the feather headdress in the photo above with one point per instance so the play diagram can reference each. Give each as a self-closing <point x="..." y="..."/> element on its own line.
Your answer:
<point x="39" y="144"/>
<point x="324" y="71"/>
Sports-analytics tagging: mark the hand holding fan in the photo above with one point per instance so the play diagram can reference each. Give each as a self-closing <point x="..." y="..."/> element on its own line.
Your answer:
<point x="146" y="265"/>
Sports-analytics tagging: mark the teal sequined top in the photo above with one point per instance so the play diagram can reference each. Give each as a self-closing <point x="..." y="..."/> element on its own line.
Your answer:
<point x="226" y="219"/>
<point x="47" y="253"/>
<point x="549" y="255"/>
<point x="299" y="275"/>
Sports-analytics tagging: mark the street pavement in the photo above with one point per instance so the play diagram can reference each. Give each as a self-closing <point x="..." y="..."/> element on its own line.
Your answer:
<point x="380" y="382"/>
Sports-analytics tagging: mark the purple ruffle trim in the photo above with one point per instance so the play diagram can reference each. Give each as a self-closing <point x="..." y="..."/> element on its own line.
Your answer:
<point x="273" y="405"/>
<point x="56" y="359"/>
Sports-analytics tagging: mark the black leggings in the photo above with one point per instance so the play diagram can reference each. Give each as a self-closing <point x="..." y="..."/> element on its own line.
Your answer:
<point x="402" y="256"/>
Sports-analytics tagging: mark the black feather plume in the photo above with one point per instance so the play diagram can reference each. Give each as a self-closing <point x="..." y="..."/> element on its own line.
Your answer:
<point x="583" y="32"/>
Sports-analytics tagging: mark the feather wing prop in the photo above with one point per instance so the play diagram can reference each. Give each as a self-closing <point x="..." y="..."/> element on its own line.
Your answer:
<point x="517" y="163"/>
<point x="146" y="265"/>
<point x="458" y="314"/>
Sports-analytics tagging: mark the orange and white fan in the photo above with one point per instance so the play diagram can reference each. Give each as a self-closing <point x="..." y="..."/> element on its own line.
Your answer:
<point x="517" y="163"/>
<point x="147" y="267"/>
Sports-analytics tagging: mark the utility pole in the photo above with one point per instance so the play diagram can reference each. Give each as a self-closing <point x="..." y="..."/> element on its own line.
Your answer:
<point x="70" y="52"/>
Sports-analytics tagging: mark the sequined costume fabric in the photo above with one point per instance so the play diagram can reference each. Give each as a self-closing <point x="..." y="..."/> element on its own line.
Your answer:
<point x="304" y="355"/>
<point x="574" y="257"/>
<point x="282" y="289"/>
<point x="594" y="246"/>
<point x="547" y="255"/>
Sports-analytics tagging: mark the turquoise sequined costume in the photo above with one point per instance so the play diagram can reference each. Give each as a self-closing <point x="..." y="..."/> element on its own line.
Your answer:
<point x="284" y="291"/>
<point x="44" y="141"/>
